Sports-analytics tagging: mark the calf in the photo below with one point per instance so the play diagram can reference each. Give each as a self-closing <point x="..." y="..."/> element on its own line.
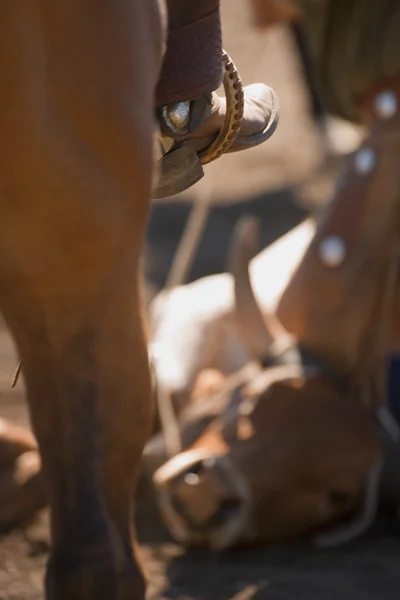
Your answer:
<point x="298" y="447"/>
<point x="289" y="456"/>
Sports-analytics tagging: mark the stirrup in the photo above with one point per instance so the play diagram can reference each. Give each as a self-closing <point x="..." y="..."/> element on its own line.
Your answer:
<point x="182" y="166"/>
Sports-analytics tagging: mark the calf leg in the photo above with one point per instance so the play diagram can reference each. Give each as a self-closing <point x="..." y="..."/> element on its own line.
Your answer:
<point x="76" y="125"/>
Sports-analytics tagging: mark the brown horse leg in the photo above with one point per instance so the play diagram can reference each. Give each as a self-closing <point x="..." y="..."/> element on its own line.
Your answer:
<point x="76" y="126"/>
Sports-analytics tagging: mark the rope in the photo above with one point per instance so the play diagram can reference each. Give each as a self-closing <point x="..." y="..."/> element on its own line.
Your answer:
<point x="178" y="273"/>
<point x="194" y="229"/>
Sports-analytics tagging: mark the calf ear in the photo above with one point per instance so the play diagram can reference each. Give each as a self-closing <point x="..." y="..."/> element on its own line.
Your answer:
<point x="208" y="382"/>
<point x="267" y="13"/>
<point x="258" y="331"/>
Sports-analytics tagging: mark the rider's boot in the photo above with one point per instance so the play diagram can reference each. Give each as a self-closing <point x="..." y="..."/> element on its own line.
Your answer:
<point x="191" y="114"/>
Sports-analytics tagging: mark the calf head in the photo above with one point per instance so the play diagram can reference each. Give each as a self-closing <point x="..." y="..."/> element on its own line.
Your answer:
<point x="288" y="456"/>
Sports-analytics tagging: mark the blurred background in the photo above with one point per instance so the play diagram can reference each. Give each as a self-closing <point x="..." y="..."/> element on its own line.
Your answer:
<point x="281" y="181"/>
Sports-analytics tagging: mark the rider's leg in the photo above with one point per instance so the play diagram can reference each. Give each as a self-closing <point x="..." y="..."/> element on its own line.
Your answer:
<point x="192" y="63"/>
<point x="192" y="70"/>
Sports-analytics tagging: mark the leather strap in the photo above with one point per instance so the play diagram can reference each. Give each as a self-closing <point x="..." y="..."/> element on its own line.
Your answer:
<point x="349" y="300"/>
<point x="382" y="107"/>
<point x="184" y="12"/>
<point x="192" y="63"/>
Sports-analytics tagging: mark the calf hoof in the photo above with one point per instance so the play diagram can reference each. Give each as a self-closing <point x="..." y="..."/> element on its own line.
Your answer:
<point x="21" y="486"/>
<point x="14" y="441"/>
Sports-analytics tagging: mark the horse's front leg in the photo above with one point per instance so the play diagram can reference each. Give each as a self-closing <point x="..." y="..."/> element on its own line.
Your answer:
<point x="85" y="365"/>
<point x="76" y="126"/>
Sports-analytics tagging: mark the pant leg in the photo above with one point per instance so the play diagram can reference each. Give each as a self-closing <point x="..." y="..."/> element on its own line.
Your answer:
<point x="192" y="63"/>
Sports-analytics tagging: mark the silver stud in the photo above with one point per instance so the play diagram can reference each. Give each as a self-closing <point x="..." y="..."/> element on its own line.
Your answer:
<point x="179" y="114"/>
<point x="192" y="479"/>
<point x="332" y="251"/>
<point x="365" y="160"/>
<point x="386" y="104"/>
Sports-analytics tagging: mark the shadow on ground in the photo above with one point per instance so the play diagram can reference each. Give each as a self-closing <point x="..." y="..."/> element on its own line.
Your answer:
<point x="364" y="570"/>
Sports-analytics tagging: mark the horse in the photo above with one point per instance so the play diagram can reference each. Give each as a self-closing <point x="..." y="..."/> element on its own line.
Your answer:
<point x="77" y="128"/>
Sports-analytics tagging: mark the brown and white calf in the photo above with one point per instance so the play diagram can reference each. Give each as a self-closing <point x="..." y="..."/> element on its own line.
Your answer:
<point x="307" y="441"/>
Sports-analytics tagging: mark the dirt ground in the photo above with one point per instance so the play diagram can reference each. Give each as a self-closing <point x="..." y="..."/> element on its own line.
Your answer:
<point x="261" y="181"/>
